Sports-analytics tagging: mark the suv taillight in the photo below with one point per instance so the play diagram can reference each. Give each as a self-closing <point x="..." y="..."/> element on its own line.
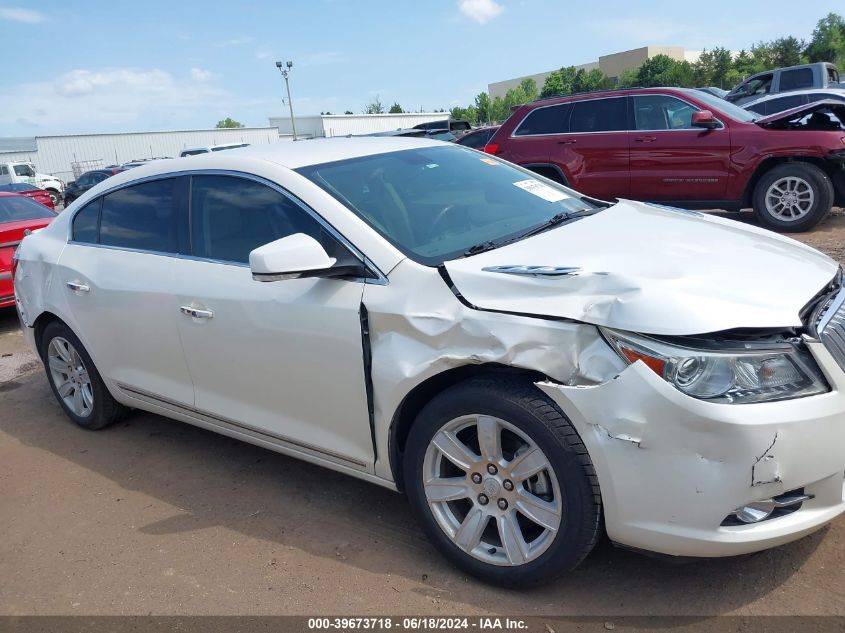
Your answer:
<point x="491" y="148"/>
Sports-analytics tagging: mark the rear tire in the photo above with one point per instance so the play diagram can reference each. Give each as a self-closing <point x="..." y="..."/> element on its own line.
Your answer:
<point x="793" y="197"/>
<point x="54" y="196"/>
<point x="75" y="381"/>
<point x="498" y="522"/>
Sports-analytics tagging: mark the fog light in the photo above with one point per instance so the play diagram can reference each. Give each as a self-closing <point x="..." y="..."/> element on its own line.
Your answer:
<point x="754" y="512"/>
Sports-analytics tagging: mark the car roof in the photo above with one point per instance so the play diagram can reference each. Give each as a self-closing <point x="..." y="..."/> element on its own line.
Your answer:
<point x="789" y="93"/>
<point x="613" y="92"/>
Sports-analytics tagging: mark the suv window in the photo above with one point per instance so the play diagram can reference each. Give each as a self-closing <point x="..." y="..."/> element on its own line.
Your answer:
<point x="783" y="103"/>
<point x="796" y="79"/>
<point x="148" y="216"/>
<point x="599" y="115"/>
<point x="232" y="216"/>
<point x="662" y="112"/>
<point x="85" y="222"/>
<point x="476" y="140"/>
<point x="759" y="85"/>
<point x="84" y="180"/>
<point x="546" y="120"/>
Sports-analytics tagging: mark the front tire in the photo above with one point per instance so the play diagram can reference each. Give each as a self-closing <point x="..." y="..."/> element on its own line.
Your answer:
<point x="54" y="196"/>
<point x="501" y="482"/>
<point x="793" y="197"/>
<point x="75" y="381"/>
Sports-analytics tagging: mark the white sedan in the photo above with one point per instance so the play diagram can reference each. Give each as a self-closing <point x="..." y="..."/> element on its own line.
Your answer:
<point x="529" y="365"/>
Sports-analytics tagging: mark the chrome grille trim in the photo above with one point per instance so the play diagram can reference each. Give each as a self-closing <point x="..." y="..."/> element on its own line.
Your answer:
<point x="830" y="326"/>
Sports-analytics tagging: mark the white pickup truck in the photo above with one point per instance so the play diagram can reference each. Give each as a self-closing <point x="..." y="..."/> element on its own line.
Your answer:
<point x="22" y="171"/>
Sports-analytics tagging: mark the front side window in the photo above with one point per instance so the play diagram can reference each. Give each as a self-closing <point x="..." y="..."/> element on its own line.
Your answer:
<point x="437" y="203"/>
<point x="546" y="120"/>
<point x="662" y="112"/>
<point x="796" y="79"/>
<point x="232" y="216"/>
<point x="17" y="208"/>
<point x="84" y="180"/>
<point x="759" y="85"/>
<point x="599" y="115"/>
<point x="148" y="216"/>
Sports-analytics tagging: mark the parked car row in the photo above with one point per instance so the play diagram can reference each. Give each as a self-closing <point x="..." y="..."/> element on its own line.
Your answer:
<point x="17" y="172"/>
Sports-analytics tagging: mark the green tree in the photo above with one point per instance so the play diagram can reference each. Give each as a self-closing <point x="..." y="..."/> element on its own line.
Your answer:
<point x="349" y="112"/>
<point x="470" y="113"/>
<point x="228" y="122"/>
<point x="559" y="82"/>
<point x="374" y="107"/>
<point x="828" y="41"/>
<point x="529" y="88"/>
<point x="788" y="51"/>
<point x="627" y="78"/>
<point x="396" y="109"/>
<point x="654" y="70"/>
<point x="482" y="107"/>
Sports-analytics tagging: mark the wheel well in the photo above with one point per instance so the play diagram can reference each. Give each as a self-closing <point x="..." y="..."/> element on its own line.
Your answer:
<point x="769" y="163"/>
<point x="44" y="319"/>
<point x="426" y="391"/>
<point x="552" y="172"/>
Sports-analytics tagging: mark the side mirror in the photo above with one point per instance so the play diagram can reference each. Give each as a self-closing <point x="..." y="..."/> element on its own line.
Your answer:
<point x="705" y="119"/>
<point x="292" y="257"/>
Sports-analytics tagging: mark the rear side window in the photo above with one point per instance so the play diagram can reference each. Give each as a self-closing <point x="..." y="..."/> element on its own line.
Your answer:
<point x="232" y="216"/>
<point x="784" y="103"/>
<point x="796" y="79"/>
<point x="476" y="140"/>
<point x="547" y="120"/>
<point x="599" y="115"/>
<point x="85" y="222"/>
<point x="149" y="216"/>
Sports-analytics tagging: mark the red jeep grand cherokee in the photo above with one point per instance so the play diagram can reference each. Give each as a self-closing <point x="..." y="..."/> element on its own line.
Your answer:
<point x="686" y="148"/>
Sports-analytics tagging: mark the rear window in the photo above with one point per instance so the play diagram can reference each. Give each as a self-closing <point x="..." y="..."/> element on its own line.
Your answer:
<point x="545" y="120"/>
<point x="599" y="115"/>
<point x="147" y="217"/>
<point x="796" y="79"/>
<point x="17" y="208"/>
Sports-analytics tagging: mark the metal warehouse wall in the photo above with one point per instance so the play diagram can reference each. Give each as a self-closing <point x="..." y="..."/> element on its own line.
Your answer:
<point x="343" y="124"/>
<point x="55" y="154"/>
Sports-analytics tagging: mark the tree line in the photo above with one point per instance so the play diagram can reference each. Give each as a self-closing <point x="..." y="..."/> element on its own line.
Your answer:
<point x="715" y="67"/>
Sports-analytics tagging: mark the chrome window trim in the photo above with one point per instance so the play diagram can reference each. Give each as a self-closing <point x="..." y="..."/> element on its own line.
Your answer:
<point x="722" y="125"/>
<point x="381" y="278"/>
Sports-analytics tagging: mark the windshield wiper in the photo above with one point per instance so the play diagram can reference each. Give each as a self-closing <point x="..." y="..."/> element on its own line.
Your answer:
<point x="557" y="218"/>
<point x="475" y="249"/>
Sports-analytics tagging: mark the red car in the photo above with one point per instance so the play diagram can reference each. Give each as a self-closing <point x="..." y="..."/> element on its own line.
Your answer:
<point x="30" y="191"/>
<point x="17" y="214"/>
<point x="686" y="148"/>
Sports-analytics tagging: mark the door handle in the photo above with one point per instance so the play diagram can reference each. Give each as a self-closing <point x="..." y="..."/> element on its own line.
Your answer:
<point x="196" y="312"/>
<point x="77" y="287"/>
<point x="569" y="141"/>
<point x="645" y="139"/>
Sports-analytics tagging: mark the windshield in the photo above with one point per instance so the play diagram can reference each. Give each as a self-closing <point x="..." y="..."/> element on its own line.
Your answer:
<point x="25" y="170"/>
<point x="19" y="186"/>
<point x="437" y="203"/>
<point x="726" y="107"/>
<point x="15" y="208"/>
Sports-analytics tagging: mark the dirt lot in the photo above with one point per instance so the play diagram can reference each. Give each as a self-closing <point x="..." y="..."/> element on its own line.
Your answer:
<point x="155" y="516"/>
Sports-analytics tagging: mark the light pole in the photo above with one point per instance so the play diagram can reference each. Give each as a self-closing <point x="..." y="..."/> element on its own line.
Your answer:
<point x="285" y="70"/>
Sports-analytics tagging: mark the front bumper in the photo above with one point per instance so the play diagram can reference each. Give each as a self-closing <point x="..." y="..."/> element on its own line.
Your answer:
<point x="672" y="468"/>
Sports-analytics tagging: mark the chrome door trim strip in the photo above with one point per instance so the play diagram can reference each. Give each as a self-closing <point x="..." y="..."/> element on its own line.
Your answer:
<point x="216" y="420"/>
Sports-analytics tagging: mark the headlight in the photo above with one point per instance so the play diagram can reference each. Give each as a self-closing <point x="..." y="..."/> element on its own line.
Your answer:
<point x="741" y="374"/>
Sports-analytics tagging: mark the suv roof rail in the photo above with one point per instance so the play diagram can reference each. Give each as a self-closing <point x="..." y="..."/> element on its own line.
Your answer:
<point x="585" y="92"/>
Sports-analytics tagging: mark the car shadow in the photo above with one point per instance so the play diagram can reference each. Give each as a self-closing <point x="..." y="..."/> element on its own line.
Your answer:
<point x="216" y="481"/>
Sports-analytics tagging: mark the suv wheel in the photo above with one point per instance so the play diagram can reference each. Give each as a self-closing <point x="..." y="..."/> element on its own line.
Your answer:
<point x="75" y="381"/>
<point x="501" y="482"/>
<point x="793" y="197"/>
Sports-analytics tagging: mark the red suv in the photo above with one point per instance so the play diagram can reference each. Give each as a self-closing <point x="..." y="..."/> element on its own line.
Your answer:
<point x="686" y="148"/>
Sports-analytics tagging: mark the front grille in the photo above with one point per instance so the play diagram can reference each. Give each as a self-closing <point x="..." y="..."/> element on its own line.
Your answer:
<point x="830" y="326"/>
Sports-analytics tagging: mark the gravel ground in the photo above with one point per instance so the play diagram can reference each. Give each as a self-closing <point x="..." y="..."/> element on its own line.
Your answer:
<point x="155" y="516"/>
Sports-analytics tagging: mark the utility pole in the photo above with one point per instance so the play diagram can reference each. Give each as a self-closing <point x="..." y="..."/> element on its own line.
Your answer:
<point x="284" y="68"/>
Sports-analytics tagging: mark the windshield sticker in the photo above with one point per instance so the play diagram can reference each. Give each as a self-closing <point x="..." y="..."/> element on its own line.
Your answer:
<point x="488" y="161"/>
<point x="541" y="190"/>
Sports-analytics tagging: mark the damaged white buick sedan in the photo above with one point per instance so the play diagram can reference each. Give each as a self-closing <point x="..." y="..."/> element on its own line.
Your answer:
<point x="529" y="365"/>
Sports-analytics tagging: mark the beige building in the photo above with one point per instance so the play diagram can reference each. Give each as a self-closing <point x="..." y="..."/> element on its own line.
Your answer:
<point x="611" y="65"/>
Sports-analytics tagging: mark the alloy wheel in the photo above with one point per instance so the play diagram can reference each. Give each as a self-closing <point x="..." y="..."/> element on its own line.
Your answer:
<point x="492" y="490"/>
<point x="789" y="198"/>
<point x="70" y="377"/>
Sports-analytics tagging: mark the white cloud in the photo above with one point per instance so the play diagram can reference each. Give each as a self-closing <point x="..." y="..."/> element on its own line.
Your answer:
<point x="237" y="41"/>
<point x="17" y="14"/>
<point x="482" y="11"/>
<point x="201" y="75"/>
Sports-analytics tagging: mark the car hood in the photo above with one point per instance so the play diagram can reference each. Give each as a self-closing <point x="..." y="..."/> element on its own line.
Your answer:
<point x="838" y="107"/>
<point x="649" y="269"/>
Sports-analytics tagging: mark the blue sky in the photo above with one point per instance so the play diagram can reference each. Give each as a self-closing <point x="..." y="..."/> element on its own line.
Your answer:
<point x="102" y="66"/>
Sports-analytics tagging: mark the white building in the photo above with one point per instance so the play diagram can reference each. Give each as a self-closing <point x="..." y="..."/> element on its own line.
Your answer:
<point x="345" y="124"/>
<point x="57" y="154"/>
